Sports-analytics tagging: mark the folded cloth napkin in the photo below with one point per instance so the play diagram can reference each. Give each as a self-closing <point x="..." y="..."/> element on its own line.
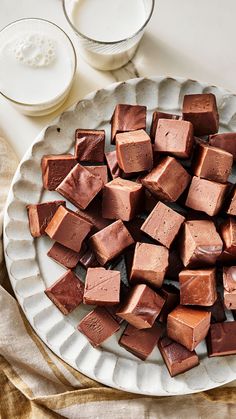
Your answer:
<point x="34" y="383"/>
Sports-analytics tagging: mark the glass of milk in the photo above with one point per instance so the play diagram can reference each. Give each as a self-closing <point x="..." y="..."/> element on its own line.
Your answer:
<point x="109" y="31"/>
<point x="37" y="65"/>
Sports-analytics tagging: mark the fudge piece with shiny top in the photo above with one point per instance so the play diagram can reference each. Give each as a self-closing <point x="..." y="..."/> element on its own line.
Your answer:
<point x="201" y="110"/>
<point x="168" y="180"/>
<point x="102" y="287"/>
<point x="89" y="145"/>
<point x="141" y="342"/>
<point x="228" y="235"/>
<point x="177" y="358"/>
<point x="141" y="307"/>
<point x="212" y="163"/>
<point x="55" y="168"/>
<point x="127" y="118"/>
<point x="149" y="264"/>
<point x="229" y="282"/>
<point x="188" y="326"/>
<point x="230" y="299"/>
<point x="206" y="195"/>
<point x="64" y="256"/>
<point x="155" y="118"/>
<point x="68" y="258"/>
<point x="110" y="242"/>
<point x="221" y="339"/>
<point x="68" y="228"/>
<point x="198" y="287"/>
<point x="122" y="199"/>
<point x="174" y="137"/>
<point x="229" y="278"/>
<point x="134" y="151"/>
<point x="200" y="243"/>
<point x="98" y="326"/>
<point x="163" y="224"/>
<point x="80" y="186"/>
<point x="40" y="216"/>
<point x="226" y="141"/>
<point x="67" y="292"/>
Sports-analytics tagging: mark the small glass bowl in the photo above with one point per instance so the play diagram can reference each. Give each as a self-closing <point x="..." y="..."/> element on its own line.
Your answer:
<point x="43" y="107"/>
<point x="113" y="54"/>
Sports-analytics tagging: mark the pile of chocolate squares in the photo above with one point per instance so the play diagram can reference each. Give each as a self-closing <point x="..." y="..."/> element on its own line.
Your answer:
<point x="163" y="204"/>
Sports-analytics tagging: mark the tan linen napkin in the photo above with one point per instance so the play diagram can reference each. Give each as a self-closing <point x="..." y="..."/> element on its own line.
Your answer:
<point x="34" y="383"/>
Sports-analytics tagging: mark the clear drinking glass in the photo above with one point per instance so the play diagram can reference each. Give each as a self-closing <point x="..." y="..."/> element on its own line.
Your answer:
<point x="108" y="55"/>
<point x="30" y="76"/>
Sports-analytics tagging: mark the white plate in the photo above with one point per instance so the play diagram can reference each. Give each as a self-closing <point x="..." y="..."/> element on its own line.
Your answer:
<point x="30" y="270"/>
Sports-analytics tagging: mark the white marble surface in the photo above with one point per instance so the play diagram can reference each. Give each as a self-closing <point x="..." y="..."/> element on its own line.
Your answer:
<point x="188" y="38"/>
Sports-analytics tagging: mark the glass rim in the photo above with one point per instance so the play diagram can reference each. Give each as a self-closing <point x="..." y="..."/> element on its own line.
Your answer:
<point x="107" y="42"/>
<point x="74" y="62"/>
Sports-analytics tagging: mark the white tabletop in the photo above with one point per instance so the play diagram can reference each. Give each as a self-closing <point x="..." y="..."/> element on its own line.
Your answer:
<point x="190" y="38"/>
